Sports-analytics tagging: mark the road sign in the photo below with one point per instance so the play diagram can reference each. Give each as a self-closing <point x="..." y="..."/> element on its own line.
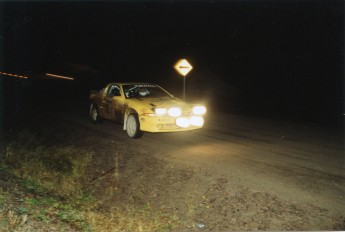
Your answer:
<point x="183" y="67"/>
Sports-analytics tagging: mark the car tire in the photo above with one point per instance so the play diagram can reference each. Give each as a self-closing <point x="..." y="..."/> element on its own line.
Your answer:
<point x="133" y="126"/>
<point x="94" y="114"/>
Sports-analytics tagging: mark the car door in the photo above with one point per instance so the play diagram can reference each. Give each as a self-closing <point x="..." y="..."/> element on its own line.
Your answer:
<point x="112" y="102"/>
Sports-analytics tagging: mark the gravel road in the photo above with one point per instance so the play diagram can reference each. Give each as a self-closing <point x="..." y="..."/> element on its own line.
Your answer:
<point x="237" y="173"/>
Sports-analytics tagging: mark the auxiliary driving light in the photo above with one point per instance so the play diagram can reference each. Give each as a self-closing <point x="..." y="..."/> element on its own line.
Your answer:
<point x="174" y="112"/>
<point x="160" y="111"/>
<point x="183" y="122"/>
<point x="199" y="110"/>
<point x="196" y="121"/>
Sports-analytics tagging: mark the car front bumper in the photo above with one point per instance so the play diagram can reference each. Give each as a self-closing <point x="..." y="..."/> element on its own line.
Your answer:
<point x="169" y="124"/>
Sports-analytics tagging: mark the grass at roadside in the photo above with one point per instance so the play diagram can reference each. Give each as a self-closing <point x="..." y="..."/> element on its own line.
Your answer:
<point x="48" y="187"/>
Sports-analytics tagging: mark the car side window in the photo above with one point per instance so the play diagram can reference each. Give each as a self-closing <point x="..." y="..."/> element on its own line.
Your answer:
<point x="114" y="90"/>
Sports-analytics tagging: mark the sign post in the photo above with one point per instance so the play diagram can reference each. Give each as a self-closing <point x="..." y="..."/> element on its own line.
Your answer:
<point x="183" y="67"/>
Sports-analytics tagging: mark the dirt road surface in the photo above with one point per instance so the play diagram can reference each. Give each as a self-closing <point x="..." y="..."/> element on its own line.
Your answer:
<point x="237" y="173"/>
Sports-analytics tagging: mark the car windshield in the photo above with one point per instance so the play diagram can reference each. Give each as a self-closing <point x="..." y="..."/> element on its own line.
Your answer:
<point x="144" y="90"/>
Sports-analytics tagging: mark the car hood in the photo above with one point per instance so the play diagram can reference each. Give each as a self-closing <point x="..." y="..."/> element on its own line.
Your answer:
<point x="160" y="102"/>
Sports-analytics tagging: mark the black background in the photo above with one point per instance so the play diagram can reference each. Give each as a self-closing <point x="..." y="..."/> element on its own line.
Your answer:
<point x="280" y="59"/>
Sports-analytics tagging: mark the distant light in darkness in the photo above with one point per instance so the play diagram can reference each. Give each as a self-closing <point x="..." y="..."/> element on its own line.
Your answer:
<point x="61" y="77"/>
<point x="13" y="75"/>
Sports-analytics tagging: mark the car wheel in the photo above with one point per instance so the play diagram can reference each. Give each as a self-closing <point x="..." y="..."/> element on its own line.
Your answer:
<point x="94" y="115"/>
<point x="133" y="126"/>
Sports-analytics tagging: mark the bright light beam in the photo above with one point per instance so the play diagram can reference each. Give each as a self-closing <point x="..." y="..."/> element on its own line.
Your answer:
<point x="13" y="75"/>
<point x="61" y="77"/>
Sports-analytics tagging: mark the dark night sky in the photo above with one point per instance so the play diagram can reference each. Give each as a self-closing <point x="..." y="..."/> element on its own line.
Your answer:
<point x="287" y="55"/>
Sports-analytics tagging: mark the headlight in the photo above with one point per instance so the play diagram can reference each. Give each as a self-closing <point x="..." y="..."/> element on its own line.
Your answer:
<point x="196" y="121"/>
<point x="174" y="112"/>
<point x="160" y="111"/>
<point x="183" y="122"/>
<point x="199" y="110"/>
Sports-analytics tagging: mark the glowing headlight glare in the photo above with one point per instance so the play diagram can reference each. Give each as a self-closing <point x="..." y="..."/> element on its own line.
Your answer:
<point x="199" y="110"/>
<point x="174" y="112"/>
<point x="196" y="121"/>
<point x="182" y="122"/>
<point x="160" y="111"/>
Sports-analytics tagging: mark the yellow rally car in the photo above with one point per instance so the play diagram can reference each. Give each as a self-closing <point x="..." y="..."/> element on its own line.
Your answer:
<point x="144" y="107"/>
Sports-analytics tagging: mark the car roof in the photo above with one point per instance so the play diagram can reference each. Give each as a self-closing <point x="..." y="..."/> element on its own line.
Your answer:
<point x="133" y="83"/>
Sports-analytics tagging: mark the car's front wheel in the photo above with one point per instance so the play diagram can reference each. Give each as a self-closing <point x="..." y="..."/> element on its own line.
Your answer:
<point x="133" y="126"/>
<point x="94" y="114"/>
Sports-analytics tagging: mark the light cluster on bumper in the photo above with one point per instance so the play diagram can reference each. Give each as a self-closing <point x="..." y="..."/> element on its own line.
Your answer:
<point x="195" y="119"/>
<point x="176" y="111"/>
<point x="192" y="121"/>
